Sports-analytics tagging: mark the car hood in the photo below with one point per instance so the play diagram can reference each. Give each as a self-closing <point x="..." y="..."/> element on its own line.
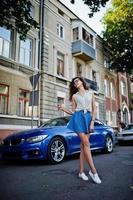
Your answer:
<point x="127" y="131"/>
<point x="34" y="132"/>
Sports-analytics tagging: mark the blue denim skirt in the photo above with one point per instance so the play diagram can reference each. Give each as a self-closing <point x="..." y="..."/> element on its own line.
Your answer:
<point x="80" y="122"/>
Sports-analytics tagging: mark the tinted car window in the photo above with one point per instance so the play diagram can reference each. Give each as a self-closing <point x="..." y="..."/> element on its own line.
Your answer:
<point x="98" y="123"/>
<point x="56" y="122"/>
<point x="129" y="127"/>
<point x="64" y="121"/>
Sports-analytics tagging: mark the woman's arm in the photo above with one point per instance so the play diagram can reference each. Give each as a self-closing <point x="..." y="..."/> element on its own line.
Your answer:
<point x="62" y="108"/>
<point x="70" y="112"/>
<point x="74" y="105"/>
<point x="93" y="108"/>
<point x="93" y="114"/>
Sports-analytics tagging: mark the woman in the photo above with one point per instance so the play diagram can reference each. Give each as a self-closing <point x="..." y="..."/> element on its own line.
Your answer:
<point x="82" y="122"/>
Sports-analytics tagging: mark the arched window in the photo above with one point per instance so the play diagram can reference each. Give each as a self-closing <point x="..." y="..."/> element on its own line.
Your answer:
<point x="106" y="87"/>
<point x="123" y="88"/>
<point x="112" y="90"/>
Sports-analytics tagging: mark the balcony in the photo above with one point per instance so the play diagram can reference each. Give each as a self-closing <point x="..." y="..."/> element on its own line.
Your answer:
<point x="93" y="84"/>
<point x="83" y="50"/>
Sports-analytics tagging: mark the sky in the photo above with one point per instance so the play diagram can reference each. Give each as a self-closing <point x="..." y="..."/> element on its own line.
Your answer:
<point x="82" y="11"/>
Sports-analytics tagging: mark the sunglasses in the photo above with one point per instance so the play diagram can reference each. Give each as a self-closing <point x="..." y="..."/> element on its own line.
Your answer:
<point x="76" y="80"/>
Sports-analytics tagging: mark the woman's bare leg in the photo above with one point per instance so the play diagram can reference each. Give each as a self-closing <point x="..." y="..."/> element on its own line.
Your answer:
<point x="81" y="161"/>
<point x="87" y="152"/>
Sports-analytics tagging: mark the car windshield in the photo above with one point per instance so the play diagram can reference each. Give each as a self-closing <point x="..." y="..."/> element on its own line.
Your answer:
<point x="129" y="127"/>
<point x="63" y="121"/>
<point x="56" y="122"/>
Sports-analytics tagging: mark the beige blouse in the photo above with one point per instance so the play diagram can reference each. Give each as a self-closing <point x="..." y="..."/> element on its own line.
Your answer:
<point x="84" y="102"/>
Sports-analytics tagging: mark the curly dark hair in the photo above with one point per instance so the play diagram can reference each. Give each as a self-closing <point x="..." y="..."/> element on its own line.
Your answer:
<point x="73" y="90"/>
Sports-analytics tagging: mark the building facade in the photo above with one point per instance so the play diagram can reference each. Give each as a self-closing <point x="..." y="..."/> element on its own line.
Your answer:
<point x="35" y="74"/>
<point x="130" y="92"/>
<point x="71" y="48"/>
<point x="18" y="63"/>
<point x="74" y="49"/>
<point x="123" y="99"/>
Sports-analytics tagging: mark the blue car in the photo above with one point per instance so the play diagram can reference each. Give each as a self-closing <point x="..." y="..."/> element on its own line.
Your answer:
<point x="53" y="141"/>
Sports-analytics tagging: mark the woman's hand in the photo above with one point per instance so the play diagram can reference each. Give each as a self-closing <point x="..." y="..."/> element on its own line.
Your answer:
<point x="91" y="130"/>
<point x="61" y="107"/>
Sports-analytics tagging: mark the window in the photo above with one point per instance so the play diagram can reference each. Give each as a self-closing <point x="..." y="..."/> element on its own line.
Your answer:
<point x="123" y="88"/>
<point x="79" y="69"/>
<point x="112" y="90"/>
<point x="32" y="11"/>
<point x="106" y="62"/>
<point x="26" y="52"/>
<point x="56" y="122"/>
<point x="60" y="64"/>
<point x="60" y="31"/>
<point x="76" y="33"/>
<point x="131" y="85"/>
<point x="114" y="118"/>
<point x="60" y="100"/>
<point x="106" y="87"/>
<point x="129" y="127"/>
<point x="23" y="104"/>
<point x="4" y="96"/>
<point x="108" y="117"/>
<point x="125" y="115"/>
<point x="5" y="42"/>
<point x="94" y="77"/>
<point x="98" y="123"/>
<point x="87" y="37"/>
<point x="97" y="110"/>
<point x="61" y="12"/>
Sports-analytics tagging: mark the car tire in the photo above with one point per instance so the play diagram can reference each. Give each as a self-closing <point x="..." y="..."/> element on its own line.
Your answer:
<point x="108" y="144"/>
<point x="56" y="150"/>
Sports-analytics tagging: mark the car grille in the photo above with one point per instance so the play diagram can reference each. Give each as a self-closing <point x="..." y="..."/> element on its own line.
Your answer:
<point x="12" y="155"/>
<point x="128" y="134"/>
<point x="12" y="142"/>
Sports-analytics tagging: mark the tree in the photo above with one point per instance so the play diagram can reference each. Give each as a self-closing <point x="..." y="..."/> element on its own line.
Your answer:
<point x="20" y="13"/>
<point x="17" y="14"/>
<point x="94" y="5"/>
<point x="118" y="35"/>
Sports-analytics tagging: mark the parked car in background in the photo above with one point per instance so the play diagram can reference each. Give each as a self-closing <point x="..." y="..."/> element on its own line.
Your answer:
<point x="53" y="141"/>
<point x="126" y="135"/>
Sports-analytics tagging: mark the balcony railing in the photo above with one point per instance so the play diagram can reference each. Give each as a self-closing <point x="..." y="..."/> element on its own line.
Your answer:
<point x="93" y="84"/>
<point x="83" y="50"/>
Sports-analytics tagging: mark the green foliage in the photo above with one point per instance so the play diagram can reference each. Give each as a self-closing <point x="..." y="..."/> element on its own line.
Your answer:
<point x="94" y="5"/>
<point x="16" y="14"/>
<point x="118" y="34"/>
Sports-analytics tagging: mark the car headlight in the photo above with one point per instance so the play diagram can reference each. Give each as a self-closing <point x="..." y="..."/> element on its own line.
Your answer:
<point x="34" y="139"/>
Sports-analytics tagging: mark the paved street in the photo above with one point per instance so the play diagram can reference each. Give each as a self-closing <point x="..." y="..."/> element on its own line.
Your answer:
<point x="41" y="181"/>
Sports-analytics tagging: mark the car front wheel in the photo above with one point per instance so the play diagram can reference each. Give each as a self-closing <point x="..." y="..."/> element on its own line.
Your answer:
<point x="108" y="144"/>
<point x="56" y="150"/>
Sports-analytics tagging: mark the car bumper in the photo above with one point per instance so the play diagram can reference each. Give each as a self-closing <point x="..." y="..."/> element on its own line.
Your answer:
<point x="127" y="138"/>
<point x="32" y="152"/>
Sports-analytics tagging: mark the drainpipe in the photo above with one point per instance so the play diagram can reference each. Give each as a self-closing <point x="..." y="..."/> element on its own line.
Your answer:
<point x="40" y="54"/>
